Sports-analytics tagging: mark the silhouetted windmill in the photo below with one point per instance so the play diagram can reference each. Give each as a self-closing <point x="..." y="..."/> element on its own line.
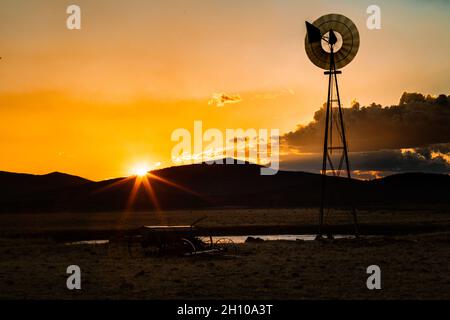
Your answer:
<point x="331" y="43"/>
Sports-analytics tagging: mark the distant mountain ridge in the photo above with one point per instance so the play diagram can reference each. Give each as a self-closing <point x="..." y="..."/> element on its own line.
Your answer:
<point x="208" y="186"/>
<point x="23" y="183"/>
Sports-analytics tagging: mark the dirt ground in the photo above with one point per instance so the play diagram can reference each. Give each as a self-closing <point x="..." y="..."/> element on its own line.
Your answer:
<point x="414" y="266"/>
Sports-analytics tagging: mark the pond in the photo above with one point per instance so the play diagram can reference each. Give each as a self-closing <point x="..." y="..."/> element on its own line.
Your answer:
<point x="237" y="239"/>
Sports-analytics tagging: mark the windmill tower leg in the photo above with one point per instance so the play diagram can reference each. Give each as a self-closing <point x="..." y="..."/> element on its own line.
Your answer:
<point x="325" y="155"/>
<point x="345" y="151"/>
<point x="328" y="148"/>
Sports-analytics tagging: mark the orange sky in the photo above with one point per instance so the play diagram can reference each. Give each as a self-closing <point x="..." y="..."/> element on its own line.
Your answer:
<point x="95" y="102"/>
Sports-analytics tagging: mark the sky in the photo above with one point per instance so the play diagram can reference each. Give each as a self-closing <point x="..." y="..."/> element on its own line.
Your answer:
<point x="99" y="101"/>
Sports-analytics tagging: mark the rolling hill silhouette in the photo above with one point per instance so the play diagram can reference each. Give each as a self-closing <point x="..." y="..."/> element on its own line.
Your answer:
<point x="16" y="184"/>
<point x="208" y="186"/>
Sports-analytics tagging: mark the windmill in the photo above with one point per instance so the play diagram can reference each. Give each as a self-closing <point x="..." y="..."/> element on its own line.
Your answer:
<point x="332" y="41"/>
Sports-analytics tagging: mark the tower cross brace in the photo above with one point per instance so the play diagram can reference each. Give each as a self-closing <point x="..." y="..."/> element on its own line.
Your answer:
<point x="328" y="147"/>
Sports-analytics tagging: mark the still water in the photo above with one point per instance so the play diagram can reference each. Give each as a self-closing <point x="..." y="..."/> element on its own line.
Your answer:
<point x="236" y="239"/>
<point x="285" y="237"/>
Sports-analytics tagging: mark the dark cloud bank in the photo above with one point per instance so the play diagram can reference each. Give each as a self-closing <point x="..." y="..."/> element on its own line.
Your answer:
<point x="411" y="136"/>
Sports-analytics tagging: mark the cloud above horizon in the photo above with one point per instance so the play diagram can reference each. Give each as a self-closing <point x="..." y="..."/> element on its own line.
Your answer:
<point x="417" y="121"/>
<point x="375" y="164"/>
<point x="221" y="99"/>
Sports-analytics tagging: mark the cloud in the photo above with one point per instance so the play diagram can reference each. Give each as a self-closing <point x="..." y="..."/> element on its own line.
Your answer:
<point x="221" y="99"/>
<point x="372" y="164"/>
<point x="417" y="121"/>
<point x="369" y="174"/>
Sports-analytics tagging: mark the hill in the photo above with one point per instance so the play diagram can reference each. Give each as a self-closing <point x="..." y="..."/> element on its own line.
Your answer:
<point x="205" y="186"/>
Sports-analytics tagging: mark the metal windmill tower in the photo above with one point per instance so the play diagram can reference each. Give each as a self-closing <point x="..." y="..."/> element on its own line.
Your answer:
<point x="332" y="41"/>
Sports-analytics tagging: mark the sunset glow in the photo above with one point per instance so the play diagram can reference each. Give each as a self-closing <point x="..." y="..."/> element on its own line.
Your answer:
<point x="90" y="102"/>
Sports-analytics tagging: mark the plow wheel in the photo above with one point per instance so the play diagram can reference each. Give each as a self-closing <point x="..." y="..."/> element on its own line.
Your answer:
<point x="187" y="247"/>
<point x="226" y="245"/>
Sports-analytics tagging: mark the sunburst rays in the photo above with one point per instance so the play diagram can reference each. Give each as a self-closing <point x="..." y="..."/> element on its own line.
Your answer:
<point x="145" y="182"/>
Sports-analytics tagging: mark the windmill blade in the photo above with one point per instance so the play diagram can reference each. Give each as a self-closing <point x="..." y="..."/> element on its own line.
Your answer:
<point x="333" y="24"/>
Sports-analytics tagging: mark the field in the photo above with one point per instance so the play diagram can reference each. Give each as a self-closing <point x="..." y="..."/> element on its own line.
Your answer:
<point x="413" y="256"/>
<point x="225" y="221"/>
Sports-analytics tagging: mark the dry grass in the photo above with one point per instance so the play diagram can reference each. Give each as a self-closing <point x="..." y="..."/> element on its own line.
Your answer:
<point x="41" y="223"/>
<point x="413" y="267"/>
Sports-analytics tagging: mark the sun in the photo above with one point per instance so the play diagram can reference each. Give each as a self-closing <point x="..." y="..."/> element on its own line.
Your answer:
<point x="140" y="170"/>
